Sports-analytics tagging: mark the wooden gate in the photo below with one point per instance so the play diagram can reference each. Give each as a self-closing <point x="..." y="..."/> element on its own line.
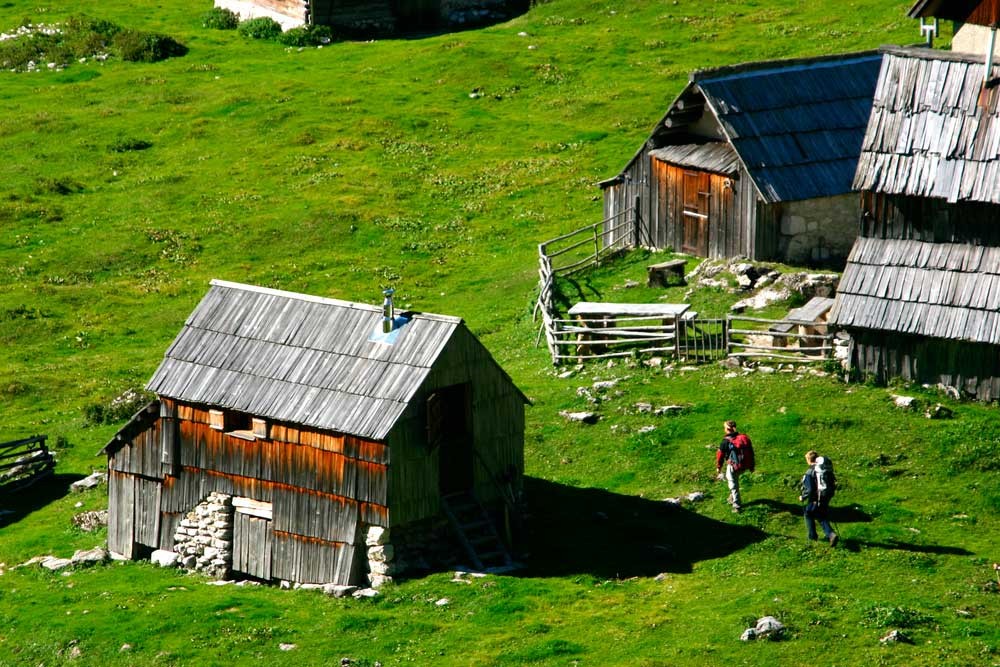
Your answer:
<point x="251" y="545"/>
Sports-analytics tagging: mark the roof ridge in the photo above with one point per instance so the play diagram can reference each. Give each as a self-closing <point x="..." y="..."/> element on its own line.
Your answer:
<point x="216" y="282"/>
<point x="761" y="66"/>
<point x="925" y="53"/>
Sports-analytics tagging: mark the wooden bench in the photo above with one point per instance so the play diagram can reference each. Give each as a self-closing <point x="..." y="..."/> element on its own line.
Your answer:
<point x="666" y="274"/>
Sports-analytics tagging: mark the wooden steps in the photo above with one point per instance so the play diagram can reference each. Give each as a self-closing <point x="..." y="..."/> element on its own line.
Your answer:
<point x="476" y="533"/>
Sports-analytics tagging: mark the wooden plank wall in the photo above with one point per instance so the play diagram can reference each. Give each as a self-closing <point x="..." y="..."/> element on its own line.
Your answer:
<point x="309" y="560"/>
<point x="636" y="180"/>
<point x="927" y="219"/>
<point x="497" y="432"/>
<point x="252" y="546"/>
<point x="727" y="232"/>
<point x="121" y="501"/>
<point x="973" y="368"/>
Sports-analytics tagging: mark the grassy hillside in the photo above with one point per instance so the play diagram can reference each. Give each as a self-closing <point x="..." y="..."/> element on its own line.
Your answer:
<point x="335" y="171"/>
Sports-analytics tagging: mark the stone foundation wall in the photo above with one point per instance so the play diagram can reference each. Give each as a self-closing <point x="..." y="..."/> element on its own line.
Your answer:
<point x="818" y="231"/>
<point x="204" y="537"/>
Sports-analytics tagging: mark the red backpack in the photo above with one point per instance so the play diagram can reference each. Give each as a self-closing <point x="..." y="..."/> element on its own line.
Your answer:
<point x="741" y="453"/>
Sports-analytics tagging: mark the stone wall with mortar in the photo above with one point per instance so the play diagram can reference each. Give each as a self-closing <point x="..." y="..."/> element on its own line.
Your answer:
<point x="818" y="231"/>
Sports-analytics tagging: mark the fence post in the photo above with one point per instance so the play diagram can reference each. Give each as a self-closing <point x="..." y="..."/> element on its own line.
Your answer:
<point x="597" y="248"/>
<point x="635" y="221"/>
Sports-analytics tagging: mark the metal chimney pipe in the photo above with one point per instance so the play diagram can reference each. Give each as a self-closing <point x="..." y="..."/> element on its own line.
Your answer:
<point x="388" y="311"/>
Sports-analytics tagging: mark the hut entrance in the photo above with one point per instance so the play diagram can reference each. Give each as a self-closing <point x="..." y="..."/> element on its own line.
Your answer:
<point x="696" y="193"/>
<point x="252" y="538"/>
<point x="450" y="430"/>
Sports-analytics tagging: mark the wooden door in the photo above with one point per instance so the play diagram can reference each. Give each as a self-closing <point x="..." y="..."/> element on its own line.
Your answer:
<point x="454" y="438"/>
<point x="695" y="212"/>
<point x="251" y="546"/>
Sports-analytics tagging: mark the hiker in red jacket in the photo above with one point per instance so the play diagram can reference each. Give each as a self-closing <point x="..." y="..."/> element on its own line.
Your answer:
<point x="736" y="453"/>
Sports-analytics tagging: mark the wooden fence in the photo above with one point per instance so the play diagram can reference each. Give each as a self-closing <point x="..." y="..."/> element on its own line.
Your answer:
<point x="689" y="338"/>
<point x="794" y="341"/>
<point x="24" y="462"/>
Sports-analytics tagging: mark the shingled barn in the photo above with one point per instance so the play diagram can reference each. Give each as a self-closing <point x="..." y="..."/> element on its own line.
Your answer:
<point x="920" y="295"/>
<point x="313" y="440"/>
<point x="755" y="160"/>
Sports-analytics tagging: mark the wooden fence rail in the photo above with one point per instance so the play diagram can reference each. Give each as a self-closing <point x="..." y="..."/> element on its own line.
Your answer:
<point x="24" y="462"/>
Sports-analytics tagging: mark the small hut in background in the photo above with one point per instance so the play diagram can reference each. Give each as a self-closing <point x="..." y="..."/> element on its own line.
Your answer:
<point x="920" y="296"/>
<point x="313" y="440"/>
<point x="974" y="21"/>
<point x="755" y="160"/>
<point x="359" y="18"/>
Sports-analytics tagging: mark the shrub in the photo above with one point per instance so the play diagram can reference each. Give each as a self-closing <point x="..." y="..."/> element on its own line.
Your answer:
<point x="262" y="27"/>
<point x="126" y="144"/>
<point x="307" y="35"/>
<point x="220" y="18"/>
<point x="147" y="47"/>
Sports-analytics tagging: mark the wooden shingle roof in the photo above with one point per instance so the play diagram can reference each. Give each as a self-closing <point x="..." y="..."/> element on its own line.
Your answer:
<point x="717" y="157"/>
<point x="928" y="136"/>
<point x="940" y="290"/>
<point x="798" y="126"/>
<point x="300" y="359"/>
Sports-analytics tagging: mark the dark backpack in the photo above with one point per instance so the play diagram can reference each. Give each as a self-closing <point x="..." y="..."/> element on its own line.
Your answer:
<point x="826" y="481"/>
<point x="741" y="453"/>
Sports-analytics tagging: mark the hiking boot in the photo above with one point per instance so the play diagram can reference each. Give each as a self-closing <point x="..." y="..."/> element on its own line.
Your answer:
<point x="833" y="539"/>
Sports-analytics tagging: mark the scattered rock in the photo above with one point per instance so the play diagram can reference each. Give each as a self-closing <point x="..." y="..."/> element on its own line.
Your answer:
<point x="669" y="410"/>
<point x="672" y="501"/>
<point x="442" y="602"/>
<point x="74" y="652"/>
<point x="90" y="521"/>
<point x="629" y="284"/>
<point x="770" y="627"/>
<point x="895" y="637"/>
<point x="89" y="482"/>
<point x="567" y="374"/>
<point x="164" y="558"/>
<point x="52" y="563"/>
<point x="584" y="417"/>
<point x="951" y="392"/>
<point x="365" y="593"/>
<point x="287" y="647"/>
<point x="604" y="385"/>
<point x="748" y="635"/>
<point x="904" y="402"/>
<point x="766" y="369"/>
<point x="125" y="648"/>
<point x="654" y="362"/>
<point x="695" y="496"/>
<point x="662" y="576"/>
<point x="643" y="407"/>
<point x="730" y="376"/>
<point x="228" y="582"/>
<point x="339" y="590"/>
<point x="309" y="587"/>
<point x="646" y="429"/>
<point x="939" y="412"/>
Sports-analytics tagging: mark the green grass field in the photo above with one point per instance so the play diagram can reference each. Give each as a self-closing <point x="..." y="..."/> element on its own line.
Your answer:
<point x="126" y="187"/>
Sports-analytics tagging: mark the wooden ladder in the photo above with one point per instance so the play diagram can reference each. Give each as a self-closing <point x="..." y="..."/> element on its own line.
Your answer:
<point x="476" y="532"/>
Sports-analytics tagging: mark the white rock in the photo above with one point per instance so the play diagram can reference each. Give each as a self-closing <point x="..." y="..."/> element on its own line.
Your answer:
<point x="377" y="536"/>
<point x="365" y="593"/>
<point x="88" y="482"/>
<point x="442" y="602"/>
<point x="695" y="496"/>
<point x="646" y="429"/>
<point x="287" y="647"/>
<point x="164" y="558"/>
<point x="125" y="648"/>
<point x="219" y="582"/>
<point x="769" y="626"/>
<point x="309" y="587"/>
<point x="53" y="563"/>
<point x="90" y="556"/>
<point x="904" y="402"/>
<point x="381" y="553"/>
<point x="583" y="417"/>
<point x="748" y="635"/>
<point x="672" y="501"/>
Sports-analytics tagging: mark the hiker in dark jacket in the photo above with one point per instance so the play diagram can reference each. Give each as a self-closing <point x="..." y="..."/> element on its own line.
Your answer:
<point x="726" y="456"/>
<point x="817" y="500"/>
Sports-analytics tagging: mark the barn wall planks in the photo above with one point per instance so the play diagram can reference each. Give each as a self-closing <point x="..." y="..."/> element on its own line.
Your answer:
<point x="972" y="368"/>
<point x="121" y="495"/>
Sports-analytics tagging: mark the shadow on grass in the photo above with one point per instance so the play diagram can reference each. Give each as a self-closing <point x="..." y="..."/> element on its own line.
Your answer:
<point x="570" y="291"/>
<point x="608" y="535"/>
<point x="16" y="505"/>
<point x="854" y="514"/>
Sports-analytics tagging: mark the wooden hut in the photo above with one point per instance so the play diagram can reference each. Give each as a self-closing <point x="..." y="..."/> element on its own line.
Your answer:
<point x="920" y="295"/>
<point x="378" y="17"/>
<point x="301" y="430"/>
<point x="755" y="160"/>
<point x="973" y="20"/>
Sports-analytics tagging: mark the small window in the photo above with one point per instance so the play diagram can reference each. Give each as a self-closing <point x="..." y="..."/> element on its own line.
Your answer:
<point x="260" y="427"/>
<point x="217" y="420"/>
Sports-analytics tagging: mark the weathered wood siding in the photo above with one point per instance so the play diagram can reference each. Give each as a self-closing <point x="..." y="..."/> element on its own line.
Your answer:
<point x="497" y="432"/>
<point x="320" y="484"/>
<point x="928" y="219"/>
<point x="973" y="368"/>
<point x="252" y="546"/>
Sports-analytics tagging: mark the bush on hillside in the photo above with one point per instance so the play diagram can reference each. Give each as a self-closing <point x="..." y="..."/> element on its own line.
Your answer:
<point x="220" y="18"/>
<point x="307" y="35"/>
<point x="262" y="27"/>
<point x="146" y="47"/>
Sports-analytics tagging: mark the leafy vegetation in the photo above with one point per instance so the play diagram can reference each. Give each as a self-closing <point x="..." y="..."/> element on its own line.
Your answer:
<point x="220" y="18"/>
<point x="262" y="27"/>
<point x="335" y="171"/>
